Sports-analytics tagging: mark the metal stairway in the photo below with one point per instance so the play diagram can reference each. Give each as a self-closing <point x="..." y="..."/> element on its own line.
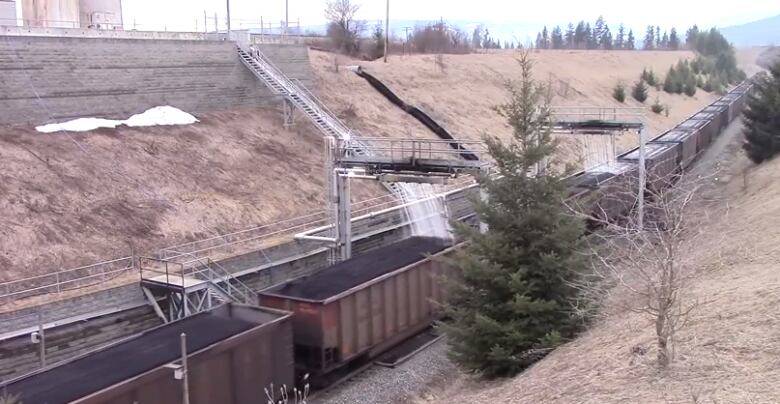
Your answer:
<point x="296" y="93"/>
<point x="192" y="288"/>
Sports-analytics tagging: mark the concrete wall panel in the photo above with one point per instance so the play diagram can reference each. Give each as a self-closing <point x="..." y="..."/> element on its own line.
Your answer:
<point x="48" y="79"/>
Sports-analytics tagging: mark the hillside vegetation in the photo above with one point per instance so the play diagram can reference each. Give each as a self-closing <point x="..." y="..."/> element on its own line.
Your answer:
<point x="725" y="354"/>
<point x="75" y="199"/>
<point x="461" y="92"/>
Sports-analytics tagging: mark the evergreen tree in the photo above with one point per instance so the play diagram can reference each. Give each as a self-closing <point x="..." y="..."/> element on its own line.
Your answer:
<point x="669" y="80"/>
<point x="539" y="41"/>
<point x="665" y="41"/>
<point x="639" y="91"/>
<point x="658" y="37"/>
<point x="606" y="39"/>
<point x="599" y="29"/>
<point x="580" y="36"/>
<point x="557" y="38"/>
<point x="545" y="38"/>
<point x="620" y="40"/>
<point x="689" y="86"/>
<point x="692" y="37"/>
<point x="590" y="40"/>
<point x="570" y="37"/>
<point x="631" y="41"/>
<point x="762" y="117"/>
<point x="511" y="302"/>
<point x="650" y="38"/>
<point x="674" y="40"/>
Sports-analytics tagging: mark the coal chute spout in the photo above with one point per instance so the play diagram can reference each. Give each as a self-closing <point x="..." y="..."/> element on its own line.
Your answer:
<point x="416" y="113"/>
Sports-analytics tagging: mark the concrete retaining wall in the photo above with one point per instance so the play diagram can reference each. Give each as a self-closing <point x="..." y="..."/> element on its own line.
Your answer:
<point x="19" y="355"/>
<point x="46" y="79"/>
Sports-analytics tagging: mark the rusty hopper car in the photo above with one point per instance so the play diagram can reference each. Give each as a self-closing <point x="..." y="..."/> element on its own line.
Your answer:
<point x="615" y="185"/>
<point x="361" y="307"/>
<point x="686" y="140"/>
<point x="694" y="127"/>
<point x="234" y="352"/>
<point x="662" y="161"/>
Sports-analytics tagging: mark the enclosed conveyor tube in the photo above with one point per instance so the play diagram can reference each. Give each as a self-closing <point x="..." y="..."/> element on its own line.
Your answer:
<point x="415" y="112"/>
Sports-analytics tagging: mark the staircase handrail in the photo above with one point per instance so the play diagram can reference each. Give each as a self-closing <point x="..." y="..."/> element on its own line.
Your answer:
<point x="215" y="278"/>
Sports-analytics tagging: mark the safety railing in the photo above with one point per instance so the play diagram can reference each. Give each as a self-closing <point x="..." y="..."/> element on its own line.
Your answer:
<point x="567" y="116"/>
<point x="66" y="280"/>
<point x="414" y="148"/>
<point x="163" y="271"/>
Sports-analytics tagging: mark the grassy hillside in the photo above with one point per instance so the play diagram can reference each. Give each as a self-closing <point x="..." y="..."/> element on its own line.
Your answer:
<point x="75" y="199"/>
<point x="461" y="97"/>
<point x="726" y="354"/>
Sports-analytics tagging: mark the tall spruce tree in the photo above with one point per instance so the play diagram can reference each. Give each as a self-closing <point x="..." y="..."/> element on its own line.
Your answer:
<point x="557" y="38"/>
<point x="631" y="41"/>
<point x="658" y="37"/>
<point x="570" y="44"/>
<point x="762" y="117"/>
<point x="511" y="303"/>
<point x="674" y="40"/>
<point x="620" y="39"/>
<point x="606" y="39"/>
<point x="650" y="38"/>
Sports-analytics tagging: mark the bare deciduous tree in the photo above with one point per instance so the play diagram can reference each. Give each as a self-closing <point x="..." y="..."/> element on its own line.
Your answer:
<point x="343" y="29"/>
<point x="651" y="266"/>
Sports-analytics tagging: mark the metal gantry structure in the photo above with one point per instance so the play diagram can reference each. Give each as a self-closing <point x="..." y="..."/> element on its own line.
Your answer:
<point x="605" y="121"/>
<point x="386" y="161"/>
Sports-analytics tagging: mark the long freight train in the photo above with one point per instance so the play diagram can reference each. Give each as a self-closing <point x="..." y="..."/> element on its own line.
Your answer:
<point x="349" y="312"/>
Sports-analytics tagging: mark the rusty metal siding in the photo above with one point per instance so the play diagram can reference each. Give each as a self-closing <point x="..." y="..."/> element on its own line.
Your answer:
<point x="372" y="316"/>
<point x="235" y="370"/>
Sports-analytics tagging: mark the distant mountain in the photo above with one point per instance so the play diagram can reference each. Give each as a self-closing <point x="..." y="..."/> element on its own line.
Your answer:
<point x="756" y="33"/>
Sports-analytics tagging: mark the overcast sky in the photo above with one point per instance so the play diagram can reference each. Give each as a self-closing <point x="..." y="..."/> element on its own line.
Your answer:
<point x="182" y="14"/>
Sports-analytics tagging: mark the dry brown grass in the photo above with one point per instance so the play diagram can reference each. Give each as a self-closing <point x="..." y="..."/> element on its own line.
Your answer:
<point x="83" y="198"/>
<point x="462" y="98"/>
<point x="106" y="193"/>
<point x="726" y="354"/>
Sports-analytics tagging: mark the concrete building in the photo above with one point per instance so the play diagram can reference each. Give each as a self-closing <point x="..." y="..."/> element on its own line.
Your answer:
<point x="7" y="12"/>
<point x="98" y="14"/>
<point x="101" y="14"/>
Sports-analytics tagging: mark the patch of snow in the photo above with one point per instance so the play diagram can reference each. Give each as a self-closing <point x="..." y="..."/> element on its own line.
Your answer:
<point x="164" y="115"/>
<point x="79" y="125"/>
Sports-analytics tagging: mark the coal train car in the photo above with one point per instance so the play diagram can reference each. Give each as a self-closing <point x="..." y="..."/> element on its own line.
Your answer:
<point x="359" y="308"/>
<point x="668" y="155"/>
<point x="234" y="353"/>
<point x="663" y="162"/>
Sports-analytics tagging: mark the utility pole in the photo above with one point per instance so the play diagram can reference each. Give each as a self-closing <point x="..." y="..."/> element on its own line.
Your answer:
<point x="185" y="382"/>
<point x="387" y="30"/>
<point x="286" y="16"/>
<point x="205" y="23"/>
<point x="228" y="19"/>
<point x="642" y="181"/>
<point x="406" y="41"/>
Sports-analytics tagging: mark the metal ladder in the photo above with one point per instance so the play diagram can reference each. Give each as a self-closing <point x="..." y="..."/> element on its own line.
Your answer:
<point x="314" y="109"/>
<point x="223" y="283"/>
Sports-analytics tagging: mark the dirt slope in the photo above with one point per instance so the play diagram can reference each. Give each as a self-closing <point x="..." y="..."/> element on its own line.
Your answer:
<point x="77" y="199"/>
<point x="727" y="354"/>
<point x="461" y="97"/>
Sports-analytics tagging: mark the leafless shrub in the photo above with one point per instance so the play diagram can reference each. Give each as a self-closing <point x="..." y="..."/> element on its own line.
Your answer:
<point x="6" y="398"/>
<point x="649" y="264"/>
<point x="299" y="396"/>
<point x="343" y="29"/>
<point x="439" y="38"/>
